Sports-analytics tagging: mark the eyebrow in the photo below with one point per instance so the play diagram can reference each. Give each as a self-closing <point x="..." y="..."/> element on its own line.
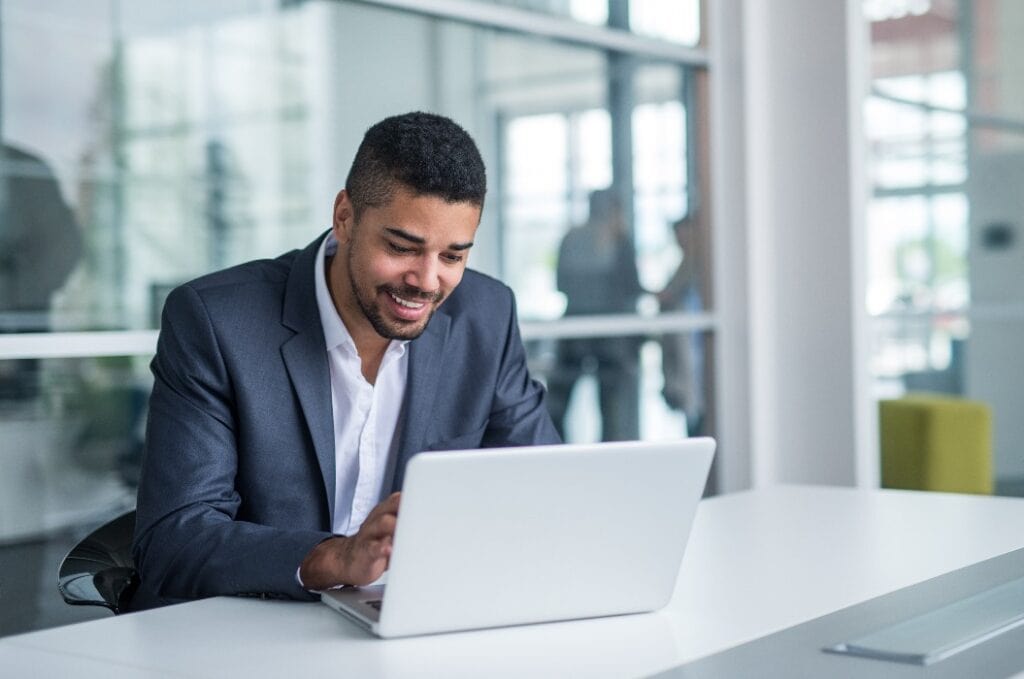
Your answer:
<point x="419" y="240"/>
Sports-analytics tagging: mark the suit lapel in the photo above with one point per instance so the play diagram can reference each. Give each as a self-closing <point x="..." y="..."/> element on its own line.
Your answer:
<point x="425" y="354"/>
<point x="305" y="358"/>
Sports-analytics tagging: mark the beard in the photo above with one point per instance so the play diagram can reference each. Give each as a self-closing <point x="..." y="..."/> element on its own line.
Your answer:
<point x="396" y="329"/>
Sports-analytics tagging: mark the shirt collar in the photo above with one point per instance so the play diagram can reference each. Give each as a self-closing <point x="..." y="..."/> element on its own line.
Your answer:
<point x="335" y="333"/>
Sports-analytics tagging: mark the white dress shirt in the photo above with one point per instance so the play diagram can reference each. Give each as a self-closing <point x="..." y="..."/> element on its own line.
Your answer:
<point x="366" y="415"/>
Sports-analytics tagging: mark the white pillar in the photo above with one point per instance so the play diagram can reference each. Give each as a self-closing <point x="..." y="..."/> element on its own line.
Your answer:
<point x="729" y="243"/>
<point x="801" y="315"/>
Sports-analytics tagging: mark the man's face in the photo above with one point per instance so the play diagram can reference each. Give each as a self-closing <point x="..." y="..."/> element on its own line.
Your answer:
<point x="400" y="261"/>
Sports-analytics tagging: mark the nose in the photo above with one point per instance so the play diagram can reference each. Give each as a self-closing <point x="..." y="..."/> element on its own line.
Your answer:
<point x="424" y="274"/>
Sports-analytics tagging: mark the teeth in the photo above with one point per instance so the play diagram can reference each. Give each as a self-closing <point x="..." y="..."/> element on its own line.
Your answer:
<point x="406" y="303"/>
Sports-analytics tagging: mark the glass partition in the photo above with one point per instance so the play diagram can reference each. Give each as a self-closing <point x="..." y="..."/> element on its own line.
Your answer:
<point x="945" y="120"/>
<point x="677" y="21"/>
<point x="145" y="145"/>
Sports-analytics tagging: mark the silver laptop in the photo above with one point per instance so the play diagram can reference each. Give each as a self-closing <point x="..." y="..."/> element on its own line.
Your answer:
<point x="509" y="536"/>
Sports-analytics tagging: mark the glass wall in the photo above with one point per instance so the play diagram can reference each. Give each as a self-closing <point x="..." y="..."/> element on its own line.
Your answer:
<point x="145" y="144"/>
<point x="675" y="21"/>
<point x="140" y="153"/>
<point x="946" y="124"/>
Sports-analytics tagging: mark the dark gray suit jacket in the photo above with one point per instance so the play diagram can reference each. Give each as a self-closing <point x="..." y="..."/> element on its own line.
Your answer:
<point x="238" y="475"/>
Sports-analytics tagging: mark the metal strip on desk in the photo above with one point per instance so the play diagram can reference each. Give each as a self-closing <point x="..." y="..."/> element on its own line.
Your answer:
<point x="946" y="631"/>
<point x="945" y="618"/>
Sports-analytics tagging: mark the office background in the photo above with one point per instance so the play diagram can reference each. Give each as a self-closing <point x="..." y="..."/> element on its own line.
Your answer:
<point x="850" y="171"/>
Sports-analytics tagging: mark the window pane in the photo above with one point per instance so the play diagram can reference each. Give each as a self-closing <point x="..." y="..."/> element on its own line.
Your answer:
<point x="72" y="441"/>
<point x="626" y="388"/>
<point x="138" y="154"/>
<point x="946" y="126"/>
<point x="675" y="21"/>
<point x="659" y="176"/>
<point x="148" y="143"/>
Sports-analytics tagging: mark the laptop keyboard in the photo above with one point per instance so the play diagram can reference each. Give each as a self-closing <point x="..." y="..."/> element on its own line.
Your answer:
<point x="374" y="603"/>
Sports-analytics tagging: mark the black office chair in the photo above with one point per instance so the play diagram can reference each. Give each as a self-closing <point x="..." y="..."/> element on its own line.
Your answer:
<point x="99" y="570"/>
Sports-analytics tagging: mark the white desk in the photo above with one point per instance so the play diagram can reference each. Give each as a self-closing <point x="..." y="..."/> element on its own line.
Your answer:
<point x="758" y="562"/>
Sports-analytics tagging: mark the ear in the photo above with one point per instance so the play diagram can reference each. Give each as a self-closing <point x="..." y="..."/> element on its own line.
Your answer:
<point x="344" y="217"/>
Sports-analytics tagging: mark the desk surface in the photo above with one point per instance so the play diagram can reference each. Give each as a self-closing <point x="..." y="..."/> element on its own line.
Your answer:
<point x="758" y="562"/>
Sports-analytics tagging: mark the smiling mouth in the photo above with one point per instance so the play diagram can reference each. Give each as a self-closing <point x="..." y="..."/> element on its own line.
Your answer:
<point x="408" y="304"/>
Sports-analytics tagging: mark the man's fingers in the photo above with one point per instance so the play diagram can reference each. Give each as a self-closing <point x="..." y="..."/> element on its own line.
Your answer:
<point x="373" y="545"/>
<point x="381" y="526"/>
<point x="370" y="549"/>
<point x="390" y="504"/>
<point x="379" y="522"/>
<point x="375" y="551"/>
<point x="385" y="522"/>
<point x="388" y="507"/>
<point x="383" y="548"/>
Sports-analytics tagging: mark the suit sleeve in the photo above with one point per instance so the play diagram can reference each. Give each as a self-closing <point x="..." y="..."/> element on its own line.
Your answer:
<point x="519" y="415"/>
<point x="188" y="543"/>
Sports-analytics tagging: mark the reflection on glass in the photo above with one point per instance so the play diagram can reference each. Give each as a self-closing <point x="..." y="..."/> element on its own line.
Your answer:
<point x="89" y="412"/>
<point x="162" y="149"/>
<point x="40" y="243"/>
<point x="69" y="457"/>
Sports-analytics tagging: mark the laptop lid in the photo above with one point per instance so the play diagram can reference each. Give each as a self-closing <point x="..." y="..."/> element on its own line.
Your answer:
<point x="510" y="536"/>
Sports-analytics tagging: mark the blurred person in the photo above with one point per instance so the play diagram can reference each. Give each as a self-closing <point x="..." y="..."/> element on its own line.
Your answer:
<point x="597" y="273"/>
<point x="682" y="353"/>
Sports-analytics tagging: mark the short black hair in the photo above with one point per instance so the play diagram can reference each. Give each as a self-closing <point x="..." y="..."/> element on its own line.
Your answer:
<point x="425" y="152"/>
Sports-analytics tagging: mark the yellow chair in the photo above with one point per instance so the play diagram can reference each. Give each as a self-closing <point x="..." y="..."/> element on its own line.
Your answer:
<point x="940" y="443"/>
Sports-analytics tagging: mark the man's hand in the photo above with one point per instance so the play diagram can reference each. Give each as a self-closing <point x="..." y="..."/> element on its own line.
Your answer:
<point x="355" y="560"/>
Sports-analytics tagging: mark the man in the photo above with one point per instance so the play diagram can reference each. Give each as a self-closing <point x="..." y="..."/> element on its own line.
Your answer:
<point x="290" y="393"/>
<point x="598" y="275"/>
<point x="682" y="354"/>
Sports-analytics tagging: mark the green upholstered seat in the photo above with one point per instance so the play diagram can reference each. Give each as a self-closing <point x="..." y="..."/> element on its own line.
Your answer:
<point x="932" y="442"/>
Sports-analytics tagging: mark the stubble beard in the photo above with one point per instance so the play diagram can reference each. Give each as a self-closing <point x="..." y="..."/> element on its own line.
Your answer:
<point x="392" y="330"/>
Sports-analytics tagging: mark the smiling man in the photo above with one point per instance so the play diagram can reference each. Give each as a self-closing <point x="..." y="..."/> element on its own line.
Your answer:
<point x="289" y="394"/>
